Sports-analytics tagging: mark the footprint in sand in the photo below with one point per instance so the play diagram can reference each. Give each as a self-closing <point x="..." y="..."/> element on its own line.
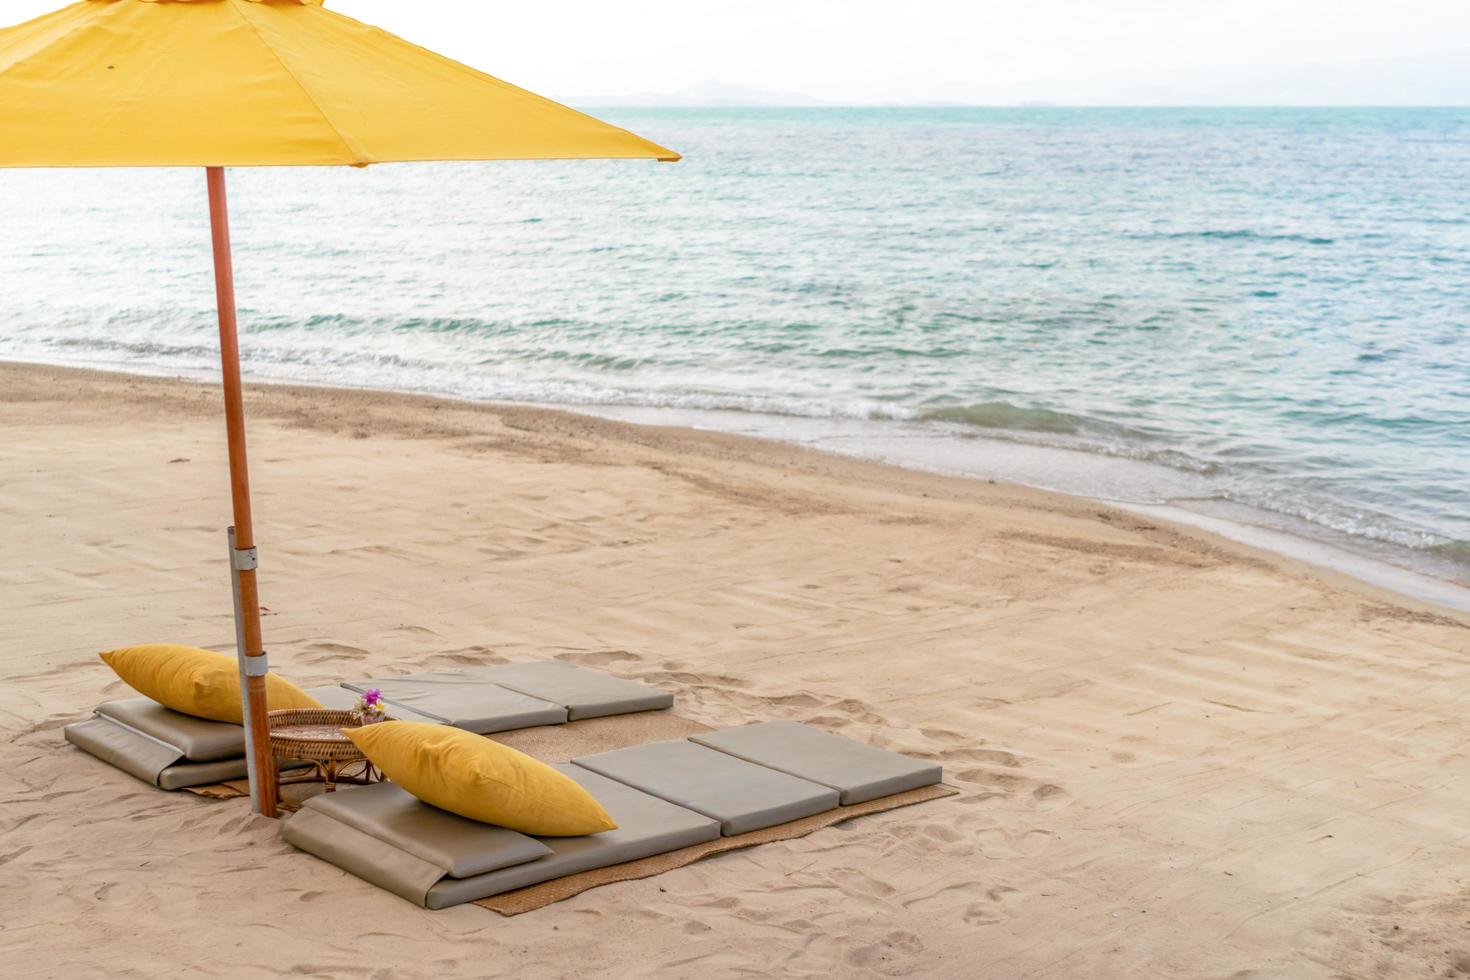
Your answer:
<point x="676" y="677"/>
<point x="324" y="652"/>
<point x="601" y="658"/>
<point x="894" y="946"/>
<point x="471" y="656"/>
<point x="995" y="757"/>
<point x="1051" y="797"/>
<point x="996" y="842"/>
<point x="798" y="700"/>
<point x="857" y="711"/>
<point x="1002" y="781"/>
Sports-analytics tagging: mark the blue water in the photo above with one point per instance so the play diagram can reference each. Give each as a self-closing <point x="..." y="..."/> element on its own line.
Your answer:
<point x="1266" y="311"/>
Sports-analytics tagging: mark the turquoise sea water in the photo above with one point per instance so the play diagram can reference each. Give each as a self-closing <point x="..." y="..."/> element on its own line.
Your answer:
<point x="1263" y="314"/>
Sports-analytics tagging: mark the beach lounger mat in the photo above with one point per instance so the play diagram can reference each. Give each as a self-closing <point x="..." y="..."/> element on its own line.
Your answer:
<point x="386" y="837"/>
<point x="647" y="825"/>
<point x="342" y="698"/>
<point x="593" y="735"/>
<point x="197" y="739"/>
<point x="464" y="699"/>
<point x="859" y="771"/>
<point x="741" y="795"/>
<point x="133" y="753"/>
<point x="462" y="848"/>
<point x="147" y="758"/>
<point x="535" y="897"/>
<point x="583" y="692"/>
<point x="166" y="748"/>
<point x="405" y="875"/>
<point x="200" y="739"/>
<point x="429" y="865"/>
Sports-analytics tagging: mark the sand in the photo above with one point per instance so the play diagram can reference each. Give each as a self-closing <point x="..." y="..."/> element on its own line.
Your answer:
<point x="1178" y="757"/>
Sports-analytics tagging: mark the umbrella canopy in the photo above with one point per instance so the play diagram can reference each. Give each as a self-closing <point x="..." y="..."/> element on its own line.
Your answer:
<point x="217" y="83"/>
<point x="207" y="83"/>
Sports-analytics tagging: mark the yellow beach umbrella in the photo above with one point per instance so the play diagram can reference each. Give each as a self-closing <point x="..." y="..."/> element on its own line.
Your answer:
<point x="230" y="83"/>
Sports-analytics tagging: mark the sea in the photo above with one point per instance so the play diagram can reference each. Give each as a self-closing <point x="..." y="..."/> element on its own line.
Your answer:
<point x="1254" y="319"/>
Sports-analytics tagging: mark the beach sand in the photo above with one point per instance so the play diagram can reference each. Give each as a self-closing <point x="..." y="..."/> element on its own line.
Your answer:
<point x="1178" y="757"/>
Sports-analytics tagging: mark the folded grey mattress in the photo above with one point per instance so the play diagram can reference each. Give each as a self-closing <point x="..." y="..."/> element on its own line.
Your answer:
<point x="163" y="747"/>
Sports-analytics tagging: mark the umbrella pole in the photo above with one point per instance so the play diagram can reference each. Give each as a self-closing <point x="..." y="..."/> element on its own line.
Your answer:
<point x="242" y="553"/>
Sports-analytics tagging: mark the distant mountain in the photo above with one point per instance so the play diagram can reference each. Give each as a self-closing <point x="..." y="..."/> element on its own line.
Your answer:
<point x="704" y="95"/>
<point x="1435" y="79"/>
<point x="1441" y="78"/>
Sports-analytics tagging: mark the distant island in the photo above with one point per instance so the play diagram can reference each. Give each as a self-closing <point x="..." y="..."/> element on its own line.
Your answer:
<point x="1436" y="79"/>
<point x="708" y="94"/>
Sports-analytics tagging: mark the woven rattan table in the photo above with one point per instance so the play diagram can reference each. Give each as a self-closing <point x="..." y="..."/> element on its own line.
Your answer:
<point x="314" y="735"/>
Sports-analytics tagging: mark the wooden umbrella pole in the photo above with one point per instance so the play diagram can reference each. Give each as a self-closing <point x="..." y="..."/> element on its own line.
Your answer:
<point x="253" y="661"/>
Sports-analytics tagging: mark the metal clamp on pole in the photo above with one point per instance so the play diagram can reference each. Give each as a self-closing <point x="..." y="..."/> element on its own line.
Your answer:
<point x="257" y="666"/>
<point x="251" y="768"/>
<point x="245" y="559"/>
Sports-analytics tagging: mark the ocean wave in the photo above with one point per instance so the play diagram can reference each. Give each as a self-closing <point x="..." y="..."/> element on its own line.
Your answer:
<point x="1455" y="552"/>
<point x="1352" y="521"/>
<point x="1004" y="415"/>
<point x="1233" y="234"/>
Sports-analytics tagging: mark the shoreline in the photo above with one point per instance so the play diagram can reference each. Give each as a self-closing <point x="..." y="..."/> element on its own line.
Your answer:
<point x="854" y="439"/>
<point x="1278" y="538"/>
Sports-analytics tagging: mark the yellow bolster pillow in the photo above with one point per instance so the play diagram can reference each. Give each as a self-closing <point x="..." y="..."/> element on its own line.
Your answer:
<point x="197" y="682"/>
<point x="482" y="780"/>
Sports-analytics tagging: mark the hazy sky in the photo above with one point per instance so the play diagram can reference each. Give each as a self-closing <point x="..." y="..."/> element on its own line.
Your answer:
<point x="867" y="50"/>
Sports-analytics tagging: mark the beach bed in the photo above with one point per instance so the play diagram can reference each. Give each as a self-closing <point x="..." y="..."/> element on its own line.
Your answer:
<point x="485" y="700"/>
<point x="177" y="751"/>
<point x="665" y="796"/>
<point x="168" y="749"/>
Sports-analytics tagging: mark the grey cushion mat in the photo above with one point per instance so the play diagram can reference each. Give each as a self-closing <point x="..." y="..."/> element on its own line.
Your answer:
<point x="182" y="775"/>
<point x="860" y="772"/>
<point x="197" y="739"/>
<point x="384" y="836"/>
<point x="135" y="754"/>
<point x="465" y="699"/>
<point x="462" y="848"/>
<point x="468" y="699"/>
<point x="342" y="698"/>
<point x="584" y="693"/>
<point x="647" y="825"/>
<point x="361" y="854"/>
<point x="741" y="795"/>
<point x="202" y="740"/>
<point x="147" y="758"/>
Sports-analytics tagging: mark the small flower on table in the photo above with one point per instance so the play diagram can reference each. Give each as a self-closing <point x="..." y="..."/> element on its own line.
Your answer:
<point x="370" y="707"/>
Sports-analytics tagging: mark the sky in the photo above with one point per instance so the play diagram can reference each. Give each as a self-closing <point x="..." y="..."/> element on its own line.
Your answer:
<point x="982" y="51"/>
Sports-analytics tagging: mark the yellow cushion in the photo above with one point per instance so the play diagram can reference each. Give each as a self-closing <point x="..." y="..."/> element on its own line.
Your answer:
<point x="197" y="682"/>
<point x="476" y="778"/>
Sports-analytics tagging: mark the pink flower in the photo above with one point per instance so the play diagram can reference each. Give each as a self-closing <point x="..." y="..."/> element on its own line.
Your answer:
<point x="372" y="696"/>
